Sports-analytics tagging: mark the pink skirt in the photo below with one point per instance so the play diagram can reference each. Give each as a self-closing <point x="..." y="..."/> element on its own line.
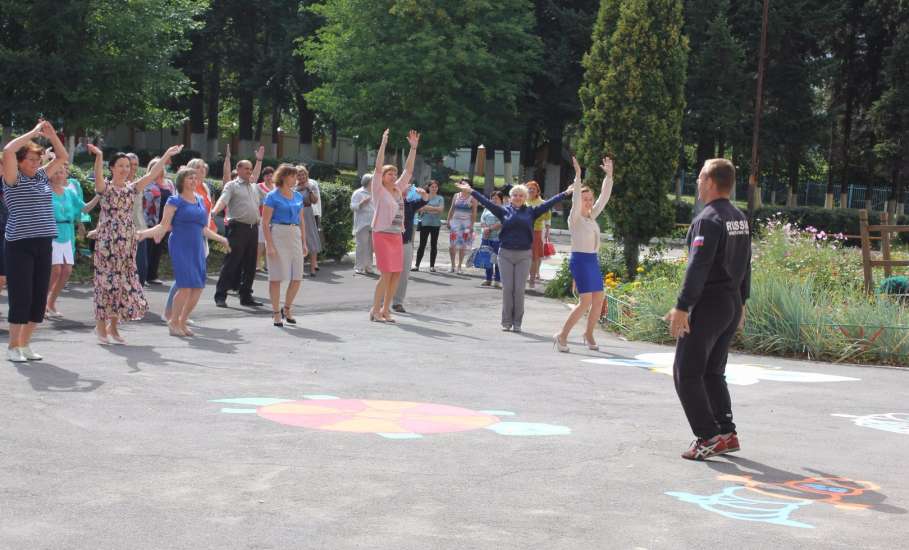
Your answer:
<point x="389" y="249"/>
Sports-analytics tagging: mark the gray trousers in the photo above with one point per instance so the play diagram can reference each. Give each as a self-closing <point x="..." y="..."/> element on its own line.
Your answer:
<point x="514" y="266"/>
<point x="364" y="249"/>
<point x="402" y="282"/>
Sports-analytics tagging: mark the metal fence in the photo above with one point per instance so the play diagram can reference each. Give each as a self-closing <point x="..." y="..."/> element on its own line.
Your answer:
<point x="810" y="193"/>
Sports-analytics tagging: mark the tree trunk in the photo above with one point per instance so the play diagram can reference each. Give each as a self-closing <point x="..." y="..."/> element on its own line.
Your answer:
<point x="472" y="168"/>
<point x="245" y="122"/>
<point x="260" y="123"/>
<point x="828" y="198"/>
<point x="197" y="112"/>
<point x="335" y="154"/>
<point x="489" y="179"/>
<point x="214" y="106"/>
<point x="305" y="124"/>
<point x="631" y="251"/>
<point x="554" y="161"/>
<point x="506" y="157"/>
<point x="276" y="149"/>
<point x="793" y="176"/>
<point x="705" y="150"/>
<point x="528" y="156"/>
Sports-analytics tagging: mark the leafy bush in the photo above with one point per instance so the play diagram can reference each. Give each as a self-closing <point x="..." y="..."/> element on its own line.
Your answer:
<point x="830" y="220"/>
<point x="807" y="299"/>
<point x="337" y="219"/>
<point x="184" y="156"/>
<point x="684" y="211"/>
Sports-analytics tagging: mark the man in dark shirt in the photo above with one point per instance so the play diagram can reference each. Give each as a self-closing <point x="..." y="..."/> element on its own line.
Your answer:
<point x="709" y="311"/>
<point x="414" y="200"/>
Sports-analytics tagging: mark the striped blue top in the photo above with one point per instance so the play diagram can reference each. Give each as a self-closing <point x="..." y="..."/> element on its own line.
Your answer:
<point x="31" y="207"/>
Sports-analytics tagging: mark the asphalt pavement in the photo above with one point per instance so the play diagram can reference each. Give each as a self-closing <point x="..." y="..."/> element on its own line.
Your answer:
<point x="438" y="432"/>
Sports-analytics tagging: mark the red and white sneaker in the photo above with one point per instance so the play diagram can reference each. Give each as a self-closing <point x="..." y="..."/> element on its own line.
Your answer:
<point x="732" y="442"/>
<point x="702" y="449"/>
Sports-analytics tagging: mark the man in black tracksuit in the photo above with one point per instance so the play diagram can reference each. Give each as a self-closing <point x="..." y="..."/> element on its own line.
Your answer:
<point x="709" y="311"/>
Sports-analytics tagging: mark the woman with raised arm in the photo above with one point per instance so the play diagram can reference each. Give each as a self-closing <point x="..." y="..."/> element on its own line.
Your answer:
<point x="118" y="292"/>
<point x="585" y="263"/>
<point x="387" y="191"/>
<point x="68" y="210"/>
<point x="286" y="232"/>
<point x="30" y="230"/>
<point x="186" y="218"/>
<point x="515" y="240"/>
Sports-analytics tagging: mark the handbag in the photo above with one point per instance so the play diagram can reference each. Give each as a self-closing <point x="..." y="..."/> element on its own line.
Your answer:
<point x="549" y="249"/>
<point x="482" y="257"/>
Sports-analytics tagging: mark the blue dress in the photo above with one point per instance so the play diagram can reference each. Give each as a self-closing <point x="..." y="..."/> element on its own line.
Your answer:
<point x="186" y="243"/>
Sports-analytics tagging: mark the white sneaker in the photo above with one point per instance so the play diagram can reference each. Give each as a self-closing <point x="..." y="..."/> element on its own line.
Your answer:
<point x="15" y="355"/>
<point x="29" y="354"/>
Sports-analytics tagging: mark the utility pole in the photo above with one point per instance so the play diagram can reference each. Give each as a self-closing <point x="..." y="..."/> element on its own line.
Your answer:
<point x="754" y="197"/>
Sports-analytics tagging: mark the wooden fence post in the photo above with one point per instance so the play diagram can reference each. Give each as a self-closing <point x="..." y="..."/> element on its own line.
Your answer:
<point x="866" y="251"/>
<point x="885" y="245"/>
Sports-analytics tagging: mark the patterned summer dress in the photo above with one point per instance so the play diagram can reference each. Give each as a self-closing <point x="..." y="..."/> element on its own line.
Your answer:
<point x="118" y="292"/>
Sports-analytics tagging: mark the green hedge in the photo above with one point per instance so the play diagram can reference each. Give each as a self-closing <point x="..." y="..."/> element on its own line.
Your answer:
<point x="337" y="219"/>
<point x="684" y="211"/>
<point x="829" y="220"/>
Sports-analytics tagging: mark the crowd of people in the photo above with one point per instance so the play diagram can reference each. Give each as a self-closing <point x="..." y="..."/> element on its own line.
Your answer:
<point x="278" y="217"/>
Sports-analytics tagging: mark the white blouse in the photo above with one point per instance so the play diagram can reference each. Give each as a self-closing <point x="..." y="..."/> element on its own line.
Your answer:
<point x="585" y="231"/>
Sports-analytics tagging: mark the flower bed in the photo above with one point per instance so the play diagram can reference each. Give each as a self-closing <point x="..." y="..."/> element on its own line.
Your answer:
<point x="806" y="300"/>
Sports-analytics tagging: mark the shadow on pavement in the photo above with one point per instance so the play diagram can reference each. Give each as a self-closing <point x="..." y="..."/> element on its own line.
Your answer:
<point x="424" y="330"/>
<point x="216" y="340"/>
<point x="144" y="354"/>
<point x="439" y="320"/>
<point x="45" y="377"/>
<point x="302" y="332"/>
<point x="818" y="486"/>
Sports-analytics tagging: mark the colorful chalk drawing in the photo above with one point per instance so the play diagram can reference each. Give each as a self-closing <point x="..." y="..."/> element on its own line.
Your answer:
<point x="897" y="423"/>
<point x="737" y="374"/>
<point x="734" y="503"/>
<point x="772" y="498"/>
<point x="389" y="419"/>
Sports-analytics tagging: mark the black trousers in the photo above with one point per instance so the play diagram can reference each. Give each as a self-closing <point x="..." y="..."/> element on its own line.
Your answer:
<point x="431" y="234"/>
<point x="154" y="252"/>
<point x="28" y="269"/>
<point x="700" y="364"/>
<point x="239" y="269"/>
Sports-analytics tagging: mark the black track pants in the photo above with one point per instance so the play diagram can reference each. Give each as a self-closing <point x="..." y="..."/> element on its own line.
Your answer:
<point x="700" y="364"/>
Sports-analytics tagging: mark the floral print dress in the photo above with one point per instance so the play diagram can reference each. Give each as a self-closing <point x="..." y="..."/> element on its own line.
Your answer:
<point x="118" y="292"/>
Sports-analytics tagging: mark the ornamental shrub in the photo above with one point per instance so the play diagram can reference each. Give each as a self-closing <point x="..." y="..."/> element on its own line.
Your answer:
<point x="830" y="220"/>
<point x="337" y="219"/>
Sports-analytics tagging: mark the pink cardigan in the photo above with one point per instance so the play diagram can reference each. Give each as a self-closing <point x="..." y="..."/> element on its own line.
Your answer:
<point x="385" y="204"/>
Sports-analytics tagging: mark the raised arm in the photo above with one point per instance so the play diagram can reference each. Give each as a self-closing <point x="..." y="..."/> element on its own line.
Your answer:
<point x="90" y="205"/>
<point x="155" y="172"/>
<point x="576" y="191"/>
<point x="100" y="183"/>
<point x="61" y="155"/>
<point x="404" y="181"/>
<point x="10" y="164"/>
<point x="605" y="188"/>
<point x="376" y="182"/>
<point x="225" y="169"/>
<point x="496" y="210"/>
<point x="550" y="202"/>
<point x="257" y="169"/>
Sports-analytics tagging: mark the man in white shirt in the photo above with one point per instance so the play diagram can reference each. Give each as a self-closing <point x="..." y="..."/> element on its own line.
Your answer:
<point x="363" y="210"/>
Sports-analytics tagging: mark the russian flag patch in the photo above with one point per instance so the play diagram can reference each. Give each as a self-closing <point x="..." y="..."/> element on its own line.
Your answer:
<point x="698" y="241"/>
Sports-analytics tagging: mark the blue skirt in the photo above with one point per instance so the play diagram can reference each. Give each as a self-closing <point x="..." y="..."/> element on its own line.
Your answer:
<point x="585" y="268"/>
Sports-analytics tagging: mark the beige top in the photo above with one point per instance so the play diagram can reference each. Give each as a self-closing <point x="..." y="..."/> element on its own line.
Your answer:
<point x="585" y="231"/>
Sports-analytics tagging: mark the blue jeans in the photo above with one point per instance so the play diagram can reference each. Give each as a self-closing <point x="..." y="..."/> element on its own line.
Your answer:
<point x="490" y="271"/>
<point x="142" y="260"/>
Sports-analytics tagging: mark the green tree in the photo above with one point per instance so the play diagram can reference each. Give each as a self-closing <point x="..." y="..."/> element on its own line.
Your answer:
<point x="93" y="64"/>
<point x="717" y="84"/>
<point x="633" y="97"/>
<point x="891" y="114"/>
<point x="440" y="66"/>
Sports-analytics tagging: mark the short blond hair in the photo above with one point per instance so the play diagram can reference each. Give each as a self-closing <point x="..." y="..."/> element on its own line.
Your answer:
<point x="722" y="172"/>
<point x="388" y="168"/>
<point x="519" y="188"/>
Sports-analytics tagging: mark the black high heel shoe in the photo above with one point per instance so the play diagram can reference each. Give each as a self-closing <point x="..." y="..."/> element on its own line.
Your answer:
<point x="285" y="314"/>
<point x="277" y="323"/>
